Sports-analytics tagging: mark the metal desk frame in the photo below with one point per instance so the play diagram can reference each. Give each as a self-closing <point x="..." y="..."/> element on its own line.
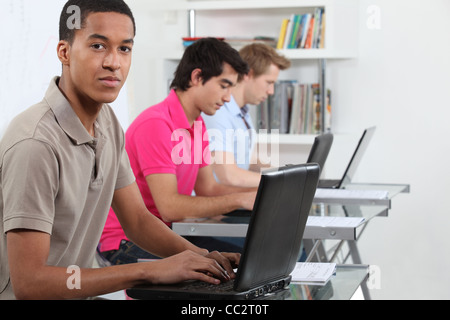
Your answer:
<point x="313" y="235"/>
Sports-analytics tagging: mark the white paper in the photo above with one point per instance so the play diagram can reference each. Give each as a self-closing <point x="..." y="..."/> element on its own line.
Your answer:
<point x="337" y="222"/>
<point x="313" y="272"/>
<point x="325" y="193"/>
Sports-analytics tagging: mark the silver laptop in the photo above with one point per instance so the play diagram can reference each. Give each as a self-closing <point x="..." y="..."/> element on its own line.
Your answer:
<point x="353" y="164"/>
<point x="272" y="244"/>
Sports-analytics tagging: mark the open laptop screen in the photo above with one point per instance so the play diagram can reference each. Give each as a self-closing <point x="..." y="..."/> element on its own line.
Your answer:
<point x="357" y="156"/>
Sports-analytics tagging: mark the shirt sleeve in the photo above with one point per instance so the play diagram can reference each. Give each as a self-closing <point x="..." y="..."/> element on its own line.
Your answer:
<point x="125" y="176"/>
<point x="29" y="185"/>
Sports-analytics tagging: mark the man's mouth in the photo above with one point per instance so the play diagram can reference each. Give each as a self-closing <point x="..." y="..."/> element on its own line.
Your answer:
<point x="111" y="82"/>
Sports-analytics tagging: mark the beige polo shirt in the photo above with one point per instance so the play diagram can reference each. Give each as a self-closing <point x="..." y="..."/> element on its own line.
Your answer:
<point x="55" y="178"/>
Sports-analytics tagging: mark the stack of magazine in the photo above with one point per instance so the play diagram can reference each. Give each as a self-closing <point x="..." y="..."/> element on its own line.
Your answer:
<point x="295" y="108"/>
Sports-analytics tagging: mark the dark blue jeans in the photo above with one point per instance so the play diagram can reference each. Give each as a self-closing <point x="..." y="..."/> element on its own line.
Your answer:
<point x="128" y="252"/>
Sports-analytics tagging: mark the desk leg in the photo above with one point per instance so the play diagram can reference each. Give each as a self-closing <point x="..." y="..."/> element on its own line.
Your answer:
<point x="315" y="250"/>
<point x="357" y="260"/>
<point x="336" y="251"/>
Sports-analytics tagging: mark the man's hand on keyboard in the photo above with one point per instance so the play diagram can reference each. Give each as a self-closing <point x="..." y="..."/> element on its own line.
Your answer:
<point x="213" y="268"/>
<point x="228" y="261"/>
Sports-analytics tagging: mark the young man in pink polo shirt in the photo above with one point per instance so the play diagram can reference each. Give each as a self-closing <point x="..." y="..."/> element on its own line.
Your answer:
<point x="169" y="151"/>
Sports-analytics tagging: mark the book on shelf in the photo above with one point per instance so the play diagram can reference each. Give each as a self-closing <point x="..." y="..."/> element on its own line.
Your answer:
<point x="294" y="108"/>
<point x="303" y="31"/>
<point x="282" y="36"/>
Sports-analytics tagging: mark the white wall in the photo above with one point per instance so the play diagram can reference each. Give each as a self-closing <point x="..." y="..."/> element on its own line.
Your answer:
<point x="28" y="60"/>
<point x="400" y="83"/>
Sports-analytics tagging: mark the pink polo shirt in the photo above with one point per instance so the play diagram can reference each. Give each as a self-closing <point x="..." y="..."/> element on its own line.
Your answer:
<point x="161" y="140"/>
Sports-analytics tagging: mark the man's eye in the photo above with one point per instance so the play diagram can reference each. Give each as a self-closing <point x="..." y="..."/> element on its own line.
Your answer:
<point x="98" y="46"/>
<point x="125" y="49"/>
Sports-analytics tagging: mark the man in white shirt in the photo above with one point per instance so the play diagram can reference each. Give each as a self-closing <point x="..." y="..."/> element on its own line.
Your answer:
<point x="231" y="131"/>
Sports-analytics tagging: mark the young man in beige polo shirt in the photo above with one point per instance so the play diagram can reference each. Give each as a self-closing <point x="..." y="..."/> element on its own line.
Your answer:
<point x="62" y="163"/>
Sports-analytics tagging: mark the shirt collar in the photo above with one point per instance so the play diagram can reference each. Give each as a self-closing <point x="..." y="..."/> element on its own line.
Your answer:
<point x="244" y="110"/>
<point x="234" y="108"/>
<point x="68" y="119"/>
<point x="177" y="113"/>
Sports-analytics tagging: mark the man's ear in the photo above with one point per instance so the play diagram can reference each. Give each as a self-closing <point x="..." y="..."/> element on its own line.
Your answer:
<point x="63" y="51"/>
<point x="196" y="77"/>
<point x="249" y="75"/>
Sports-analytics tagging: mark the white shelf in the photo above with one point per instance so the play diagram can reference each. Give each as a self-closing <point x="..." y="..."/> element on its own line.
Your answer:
<point x="287" y="139"/>
<point x="299" y="54"/>
<point x="242" y="4"/>
<point x="292" y="54"/>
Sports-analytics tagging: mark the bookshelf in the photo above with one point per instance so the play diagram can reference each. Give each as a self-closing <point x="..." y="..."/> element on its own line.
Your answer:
<point x="243" y="19"/>
<point x="250" y="18"/>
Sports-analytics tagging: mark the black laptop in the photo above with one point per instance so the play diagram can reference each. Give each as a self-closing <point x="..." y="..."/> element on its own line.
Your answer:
<point x="318" y="154"/>
<point x="272" y="244"/>
<point x="320" y="149"/>
<point x="353" y="164"/>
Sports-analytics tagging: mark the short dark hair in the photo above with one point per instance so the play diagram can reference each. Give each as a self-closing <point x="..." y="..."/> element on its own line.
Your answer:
<point x="67" y="33"/>
<point x="209" y="55"/>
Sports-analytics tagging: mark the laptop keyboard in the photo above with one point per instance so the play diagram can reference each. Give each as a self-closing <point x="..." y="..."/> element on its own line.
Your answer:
<point x="223" y="287"/>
